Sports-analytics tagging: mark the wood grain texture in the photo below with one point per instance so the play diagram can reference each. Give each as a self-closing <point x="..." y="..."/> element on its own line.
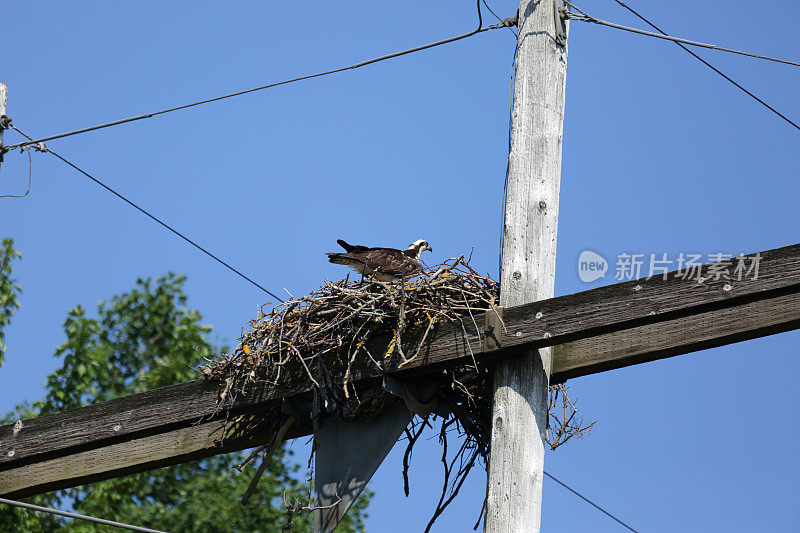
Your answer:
<point x="528" y="269"/>
<point x="107" y="423"/>
<point x="115" y="460"/>
<point x="609" y="327"/>
<point x="676" y="337"/>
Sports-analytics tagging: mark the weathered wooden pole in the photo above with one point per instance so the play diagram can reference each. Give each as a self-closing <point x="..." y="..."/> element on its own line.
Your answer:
<point x="3" y="100"/>
<point x="519" y="418"/>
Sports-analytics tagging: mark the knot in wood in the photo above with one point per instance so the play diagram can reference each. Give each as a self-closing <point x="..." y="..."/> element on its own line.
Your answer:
<point x="498" y="423"/>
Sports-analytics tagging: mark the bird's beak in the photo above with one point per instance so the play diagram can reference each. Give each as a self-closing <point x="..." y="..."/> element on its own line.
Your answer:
<point x="428" y="247"/>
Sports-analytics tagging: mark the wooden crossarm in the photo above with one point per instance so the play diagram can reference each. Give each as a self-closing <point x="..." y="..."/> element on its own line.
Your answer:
<point x="592" y="331"/>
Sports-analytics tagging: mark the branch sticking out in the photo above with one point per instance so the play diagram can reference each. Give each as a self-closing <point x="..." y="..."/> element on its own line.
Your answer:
<point x="563" y="422"/>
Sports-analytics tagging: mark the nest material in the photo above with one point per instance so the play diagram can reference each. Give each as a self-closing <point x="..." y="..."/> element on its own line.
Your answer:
<point x="333" y="332"/>
<point x="326" y="338"/>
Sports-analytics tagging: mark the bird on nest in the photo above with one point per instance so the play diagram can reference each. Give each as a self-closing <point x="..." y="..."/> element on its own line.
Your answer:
<point x="383" y="264"/>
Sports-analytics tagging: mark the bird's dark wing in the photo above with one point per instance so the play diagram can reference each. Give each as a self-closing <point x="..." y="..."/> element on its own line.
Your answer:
<point x="391" y="261"/>
<point x="388" y="261"/>
<point x="352" y="247"/>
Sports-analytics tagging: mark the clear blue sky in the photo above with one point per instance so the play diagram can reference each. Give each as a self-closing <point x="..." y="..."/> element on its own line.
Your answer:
<point x="660" y="155"/>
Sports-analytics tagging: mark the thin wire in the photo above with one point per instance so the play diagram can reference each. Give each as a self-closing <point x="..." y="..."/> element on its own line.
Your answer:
<point x="593" y="20"/>
<point x="79" y="516"/>
<point x="709" y="65"/>
<point x="480" y="29"/>
<point x="152" y="217"/>
<point x="587" y="500"/>
<point x="498" y="18"/>
<point x="30" y="167"/>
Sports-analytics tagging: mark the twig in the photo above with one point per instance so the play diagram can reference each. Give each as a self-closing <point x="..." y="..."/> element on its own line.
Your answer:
<point x="267" y="457"/>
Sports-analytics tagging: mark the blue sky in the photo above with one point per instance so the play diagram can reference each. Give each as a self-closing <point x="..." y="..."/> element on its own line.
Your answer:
<point x="660" y="156"/>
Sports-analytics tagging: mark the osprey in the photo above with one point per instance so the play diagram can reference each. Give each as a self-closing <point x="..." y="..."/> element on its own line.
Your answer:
<point x="384" y="264"/>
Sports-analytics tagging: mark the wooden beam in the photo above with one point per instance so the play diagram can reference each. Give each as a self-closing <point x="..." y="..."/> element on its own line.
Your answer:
<point x="676" y="337"/>
<point x="590" y="355"/>
<point x="608" y="327"/>
<point x="130" y="457"/>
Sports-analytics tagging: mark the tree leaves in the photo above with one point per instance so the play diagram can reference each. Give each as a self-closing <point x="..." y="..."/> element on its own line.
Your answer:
<point x="139" y="340"/>
<point x="9" y="290"/>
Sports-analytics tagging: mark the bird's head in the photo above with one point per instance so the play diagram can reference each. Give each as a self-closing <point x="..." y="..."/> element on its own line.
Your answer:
<point x="419" y="246"/>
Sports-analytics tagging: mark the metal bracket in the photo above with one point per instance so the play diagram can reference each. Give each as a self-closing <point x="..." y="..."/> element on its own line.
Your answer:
<point x="493" y="329"/>
<point x="347" y="456"/>
<point x="5" y="123"/>
<point x="560" y="12"/>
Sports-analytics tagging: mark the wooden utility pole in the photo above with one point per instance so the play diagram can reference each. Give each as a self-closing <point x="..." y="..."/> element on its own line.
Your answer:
<point x="519" y="417"/>
<point x="3" y="101"/>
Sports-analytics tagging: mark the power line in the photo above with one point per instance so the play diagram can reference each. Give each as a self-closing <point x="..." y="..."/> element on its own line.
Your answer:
<point x="587" y="500"/>
<point x="593" y="20"/>
<point x="503" y="24"/>
<point x="79" y="516"/>
<point x="498" y="18"/>
<point x="39" y="143"/>
<point x="709" y="65"/>
<point x="42" y="148"/>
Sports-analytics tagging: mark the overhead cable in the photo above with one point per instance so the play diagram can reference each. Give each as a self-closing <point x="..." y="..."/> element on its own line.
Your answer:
<point x="590" y="502"/>
<point x="42" y="148"/>
<point x="583" y="17"/>
<point x="709" y="65"/>
<point x="503" y="24"/>
<point x="68" y="514"/>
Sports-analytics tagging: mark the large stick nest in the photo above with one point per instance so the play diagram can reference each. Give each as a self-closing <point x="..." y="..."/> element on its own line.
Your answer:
<point x="325" y="340"/>
<point x="343" y="327"/>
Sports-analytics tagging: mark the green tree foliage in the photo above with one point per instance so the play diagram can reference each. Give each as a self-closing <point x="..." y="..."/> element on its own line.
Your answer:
<point x="9" y="290"/>
<point x="140" y="340"/>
